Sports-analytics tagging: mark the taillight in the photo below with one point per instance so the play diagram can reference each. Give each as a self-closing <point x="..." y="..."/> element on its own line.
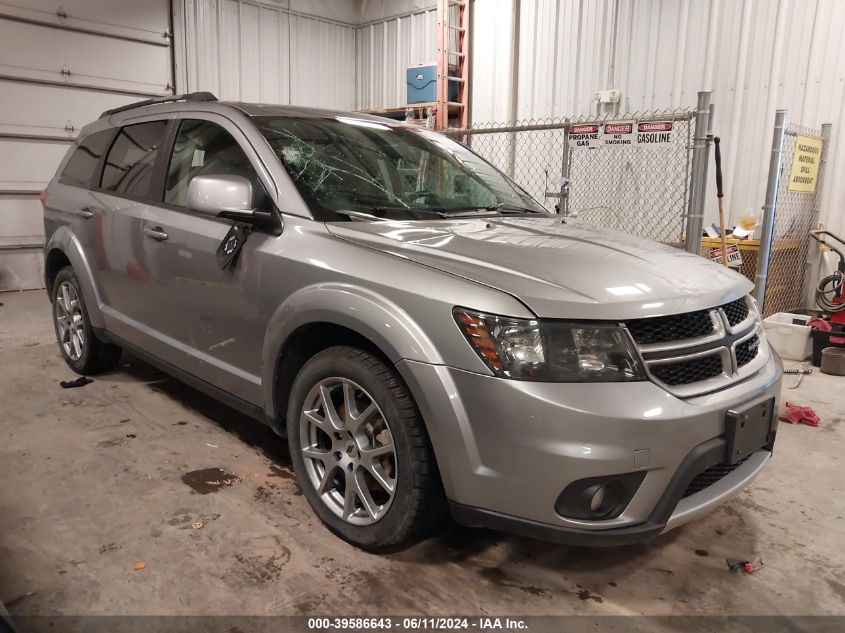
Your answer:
<point x="43" y="198"/>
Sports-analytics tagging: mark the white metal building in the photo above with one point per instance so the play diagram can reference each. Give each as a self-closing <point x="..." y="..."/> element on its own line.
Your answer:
<point x="531" y="59"/>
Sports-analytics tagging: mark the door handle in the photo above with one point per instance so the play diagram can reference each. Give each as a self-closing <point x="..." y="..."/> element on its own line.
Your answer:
<point x="155" y="232"/>
<point x="85" y="213"/>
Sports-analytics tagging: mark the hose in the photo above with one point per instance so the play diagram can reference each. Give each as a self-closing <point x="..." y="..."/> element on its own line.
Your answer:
<point x="829" y="288"/>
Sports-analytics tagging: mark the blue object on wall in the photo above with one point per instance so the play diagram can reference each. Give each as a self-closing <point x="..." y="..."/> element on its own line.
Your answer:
<point x="422" y="84"/>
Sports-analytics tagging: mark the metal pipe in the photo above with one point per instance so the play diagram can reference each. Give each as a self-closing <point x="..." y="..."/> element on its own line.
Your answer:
<point x="563" y="205"/>
<point x="811" y="270"/>
<point x="514" y="79"/>
<point x="614" y="36"/>
<point x="698" y="186"/>
<point x="674" y="116"/>
<point x="770" y="208"/>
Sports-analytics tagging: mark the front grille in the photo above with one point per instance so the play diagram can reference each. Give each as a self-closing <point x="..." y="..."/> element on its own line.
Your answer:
<point x="681" y="350"/>
<point x="747" y="351"/>
<point x="676" y="327"/>
<point x="711" y="476"/>
<point x="688" y="371"/>
<point x="736" y="311"/>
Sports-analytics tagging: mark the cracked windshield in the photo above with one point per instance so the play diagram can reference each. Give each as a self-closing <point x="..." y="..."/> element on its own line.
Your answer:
<point x="349" y="168"/>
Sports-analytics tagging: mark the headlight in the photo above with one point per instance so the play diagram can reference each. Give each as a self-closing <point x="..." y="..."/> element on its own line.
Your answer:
<point x="550" y="351"/>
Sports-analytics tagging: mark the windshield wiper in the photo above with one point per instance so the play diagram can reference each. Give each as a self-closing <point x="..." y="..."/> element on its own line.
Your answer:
<point x="501" y="208"/>
<point x="504" y="207"/>
<point x="377" y="213"/>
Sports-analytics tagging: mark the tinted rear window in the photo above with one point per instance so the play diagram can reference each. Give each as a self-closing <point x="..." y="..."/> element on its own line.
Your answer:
<point x="129" y="166"/>
<point x="81" y="169"/>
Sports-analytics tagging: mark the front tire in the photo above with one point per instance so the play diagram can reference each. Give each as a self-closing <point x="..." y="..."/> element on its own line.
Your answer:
<point x="360" y="450"/>
<point x="81" y="349"/>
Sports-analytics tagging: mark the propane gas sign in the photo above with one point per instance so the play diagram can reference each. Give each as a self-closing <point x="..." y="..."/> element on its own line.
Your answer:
<point x="654" y="133"/>
<point x="805" y="164"/>
<point x="584" y="135"/>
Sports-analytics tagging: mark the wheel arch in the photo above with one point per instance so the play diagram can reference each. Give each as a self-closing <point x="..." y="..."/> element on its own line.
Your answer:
<point x="318" y="317"/>
<point x="54" y="261"/>
<point x="63" y="249"/>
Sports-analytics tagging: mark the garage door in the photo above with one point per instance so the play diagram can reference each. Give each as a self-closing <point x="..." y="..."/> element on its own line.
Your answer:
<point x="62" y="64"/>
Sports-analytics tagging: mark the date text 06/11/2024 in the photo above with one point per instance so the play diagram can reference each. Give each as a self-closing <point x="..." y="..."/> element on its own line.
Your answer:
<point x="417" y="623"/>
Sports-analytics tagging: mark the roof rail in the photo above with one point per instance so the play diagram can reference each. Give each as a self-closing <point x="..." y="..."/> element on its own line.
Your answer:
<point x="191" y="96"/>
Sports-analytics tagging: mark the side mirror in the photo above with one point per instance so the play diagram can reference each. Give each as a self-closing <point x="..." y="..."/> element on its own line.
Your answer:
<point x="222" y="195"/>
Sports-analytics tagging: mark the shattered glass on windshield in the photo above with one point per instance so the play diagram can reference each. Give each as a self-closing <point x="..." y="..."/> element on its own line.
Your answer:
<point x="360" y="165"/>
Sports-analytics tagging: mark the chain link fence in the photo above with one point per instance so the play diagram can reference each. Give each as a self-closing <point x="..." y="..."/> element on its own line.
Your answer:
<point x="795" y="216"/>
<point x="630" y="173"/>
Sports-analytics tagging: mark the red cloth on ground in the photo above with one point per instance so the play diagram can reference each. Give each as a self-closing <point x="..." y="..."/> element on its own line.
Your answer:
<point x="796" y="414"/>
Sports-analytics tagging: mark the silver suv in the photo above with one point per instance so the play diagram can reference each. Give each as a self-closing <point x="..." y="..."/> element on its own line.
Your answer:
<point x="425" y="335"/>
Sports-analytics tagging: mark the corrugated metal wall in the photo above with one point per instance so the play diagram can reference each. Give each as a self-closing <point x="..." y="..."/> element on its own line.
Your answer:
<point x="755" y="55"/>
<point x="385" y="48"/>
<point x="264" y="52"/>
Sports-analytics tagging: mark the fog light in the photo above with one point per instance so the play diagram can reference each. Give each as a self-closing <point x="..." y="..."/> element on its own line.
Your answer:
<point x="597" y="498"/>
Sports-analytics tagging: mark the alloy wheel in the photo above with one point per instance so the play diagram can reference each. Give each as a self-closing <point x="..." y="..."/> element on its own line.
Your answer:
<point x="71" y="327"/>
<point x="348" y="451"/>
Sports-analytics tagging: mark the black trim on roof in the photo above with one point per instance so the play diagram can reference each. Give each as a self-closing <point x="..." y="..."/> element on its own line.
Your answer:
<point x="191" y="96"/>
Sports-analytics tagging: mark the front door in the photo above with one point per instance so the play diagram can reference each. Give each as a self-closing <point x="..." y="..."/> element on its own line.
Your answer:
<point x="209" y="321"/>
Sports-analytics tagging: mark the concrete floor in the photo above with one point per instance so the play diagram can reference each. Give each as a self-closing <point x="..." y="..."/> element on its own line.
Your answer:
<point x="92" y="483"/>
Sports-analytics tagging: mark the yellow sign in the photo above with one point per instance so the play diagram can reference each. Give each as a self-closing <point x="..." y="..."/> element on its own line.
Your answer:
<point x="805" y="164"/>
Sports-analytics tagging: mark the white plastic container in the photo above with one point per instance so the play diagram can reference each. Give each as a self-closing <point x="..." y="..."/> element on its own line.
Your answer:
<point x="789" y="340"/>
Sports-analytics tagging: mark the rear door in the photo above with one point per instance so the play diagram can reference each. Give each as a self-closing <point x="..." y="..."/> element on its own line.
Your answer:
<point x="208" y="322"/>
<point x="121" y="202"/>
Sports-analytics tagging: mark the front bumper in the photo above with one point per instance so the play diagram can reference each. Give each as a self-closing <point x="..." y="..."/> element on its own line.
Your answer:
<point x="506" y="449"/>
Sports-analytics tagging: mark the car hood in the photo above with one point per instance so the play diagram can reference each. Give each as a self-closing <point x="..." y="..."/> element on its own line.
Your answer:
<point x="558" y="270"/>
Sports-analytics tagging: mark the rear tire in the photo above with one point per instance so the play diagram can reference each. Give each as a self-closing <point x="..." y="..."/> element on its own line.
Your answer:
<point x="80" y="347"/>
<point x="371" y="441"/>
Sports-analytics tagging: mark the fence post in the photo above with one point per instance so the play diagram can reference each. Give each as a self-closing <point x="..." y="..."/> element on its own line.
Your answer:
<point x="826" y="128"/>
<point x="769" y="208"/>
<point x="563" y="205"/>
<point x="814" y="249"/>
<point x="698" y="185"/>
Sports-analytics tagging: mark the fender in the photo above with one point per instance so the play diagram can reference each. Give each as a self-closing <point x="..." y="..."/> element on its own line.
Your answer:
<point x="369" y="314"/>
<point x="65" y="241"/>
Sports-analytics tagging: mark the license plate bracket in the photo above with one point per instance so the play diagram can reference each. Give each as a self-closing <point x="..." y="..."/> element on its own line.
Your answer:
<point x="749" y="429"/>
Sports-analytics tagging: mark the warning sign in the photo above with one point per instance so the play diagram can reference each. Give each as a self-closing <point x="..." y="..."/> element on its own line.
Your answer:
<point x="654" y="133"/>
<point x="734" y="256"/>
<point x="805" y="164"/>
<point x="618" y="133"/>
<point x="584" y="135"/>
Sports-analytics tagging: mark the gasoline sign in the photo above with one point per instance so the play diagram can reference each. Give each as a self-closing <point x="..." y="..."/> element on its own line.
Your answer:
<point x="584" y="135"/>
<point x="618" y="133"/>
<point x="734" y="256"/>
<point x="654" y="133"/>
<point x="805" y="164"/>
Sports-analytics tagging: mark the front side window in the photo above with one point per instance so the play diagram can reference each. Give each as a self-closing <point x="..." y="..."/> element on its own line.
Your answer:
<point x="205" y="148"/>
<point x="129" y="165"/>
<point x="81" y="168"/>
<point x="351" y="164"/>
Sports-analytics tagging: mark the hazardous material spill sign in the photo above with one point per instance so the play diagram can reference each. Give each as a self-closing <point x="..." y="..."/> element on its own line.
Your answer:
<point x="805" y="164"/>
